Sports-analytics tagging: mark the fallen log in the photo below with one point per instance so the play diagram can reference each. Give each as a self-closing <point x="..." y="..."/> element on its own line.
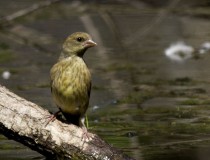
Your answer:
<point x="26" y="122"/>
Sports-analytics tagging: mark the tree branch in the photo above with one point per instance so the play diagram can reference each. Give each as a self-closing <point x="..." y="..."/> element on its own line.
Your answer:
<point x="25" y="122"/>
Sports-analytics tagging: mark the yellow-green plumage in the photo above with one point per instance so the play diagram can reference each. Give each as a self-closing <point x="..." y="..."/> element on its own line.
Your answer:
<point x="71" y="79"/>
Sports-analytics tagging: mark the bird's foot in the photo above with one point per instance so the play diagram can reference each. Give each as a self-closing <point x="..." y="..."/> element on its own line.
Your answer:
<point x="86" y="135"/>
<point x="52" y="117"/>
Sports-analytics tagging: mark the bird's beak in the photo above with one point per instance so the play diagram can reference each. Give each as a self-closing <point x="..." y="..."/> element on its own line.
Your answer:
<point x="89" y="43"/>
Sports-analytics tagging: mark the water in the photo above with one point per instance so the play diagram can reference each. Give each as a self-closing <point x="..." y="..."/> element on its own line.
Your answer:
<point x="142" y="102"/>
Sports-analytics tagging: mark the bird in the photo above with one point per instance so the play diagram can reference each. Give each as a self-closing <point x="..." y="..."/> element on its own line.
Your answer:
<point x="71" y="79"/>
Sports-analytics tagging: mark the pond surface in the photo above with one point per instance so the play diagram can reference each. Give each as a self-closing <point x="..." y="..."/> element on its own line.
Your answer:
<point x="148" y="105"/>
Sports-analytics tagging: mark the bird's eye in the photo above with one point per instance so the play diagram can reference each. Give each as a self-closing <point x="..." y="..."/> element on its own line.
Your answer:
<point x="79" y="39"/>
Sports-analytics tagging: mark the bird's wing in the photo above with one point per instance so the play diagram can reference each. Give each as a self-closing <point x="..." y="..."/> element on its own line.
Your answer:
<point x="89" y="90"/>
<point x="55" y="71"/>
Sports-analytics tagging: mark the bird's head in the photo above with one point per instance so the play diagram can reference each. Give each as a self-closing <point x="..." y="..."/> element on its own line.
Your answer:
<point x="76" y="44"/>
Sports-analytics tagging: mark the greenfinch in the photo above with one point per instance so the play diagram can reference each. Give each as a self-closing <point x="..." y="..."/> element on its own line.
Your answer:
<point x="71" y="78"/>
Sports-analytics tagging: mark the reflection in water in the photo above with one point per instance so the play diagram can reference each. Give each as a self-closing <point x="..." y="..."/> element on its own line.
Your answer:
<point x="205" y="48"/>
<point x="179" y="52"/>
<point x="6" y="74"/>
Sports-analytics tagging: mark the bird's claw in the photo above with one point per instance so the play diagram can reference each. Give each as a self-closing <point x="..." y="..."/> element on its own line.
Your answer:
<point x="51" y="117"/>
<point x="85" y="134"/>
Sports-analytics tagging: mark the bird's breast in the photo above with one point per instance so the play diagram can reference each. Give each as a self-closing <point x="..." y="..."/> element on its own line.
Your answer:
<point x="71" y="82"/>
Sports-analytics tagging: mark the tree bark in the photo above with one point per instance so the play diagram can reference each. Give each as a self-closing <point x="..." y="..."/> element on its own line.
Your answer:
<point x="26" y="122"/>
